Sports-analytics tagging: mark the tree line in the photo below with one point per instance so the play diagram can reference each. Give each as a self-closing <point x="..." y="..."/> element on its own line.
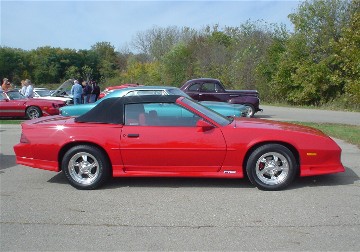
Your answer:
<point x="317" y="63"/>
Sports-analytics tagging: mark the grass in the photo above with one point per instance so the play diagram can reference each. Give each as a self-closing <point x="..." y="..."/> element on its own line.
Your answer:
<point x="10" y="121"/>
<point x="328" y="106"/>
<point x="348" y="133"/>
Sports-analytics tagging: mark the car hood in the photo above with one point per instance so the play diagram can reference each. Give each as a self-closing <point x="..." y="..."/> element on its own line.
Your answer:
<point x="251" y="123"/>
<point x="64" y="99"/>
<point x="38" y="101"/>
<point x="64" y="90"/>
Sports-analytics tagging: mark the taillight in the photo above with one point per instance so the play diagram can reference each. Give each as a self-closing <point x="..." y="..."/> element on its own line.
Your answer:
<point x="23" y="139"/>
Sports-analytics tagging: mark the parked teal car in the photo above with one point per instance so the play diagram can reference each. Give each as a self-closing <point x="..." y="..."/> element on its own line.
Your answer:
<point x="223" y="108"/>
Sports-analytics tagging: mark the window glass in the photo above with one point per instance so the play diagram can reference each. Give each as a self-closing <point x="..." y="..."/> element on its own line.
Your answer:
<point x="15" y="96"/>
<point x="194" y="87"/>
<point x="134" y="114"/>
<point x="218" y="88"/>
<point x="2" y="96"/>
<point x="176" y="91"/>
<point x="43" y="92"/>
<point x="131" y="93"/>
<point x="208" y="87"/>
<point x="150" y="92"/>
<point x="159" y="114"/>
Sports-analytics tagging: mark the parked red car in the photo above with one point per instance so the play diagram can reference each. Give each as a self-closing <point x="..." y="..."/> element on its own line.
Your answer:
<point x="173" y="136"/>
<point x="110" y="89"/>
<point x="14" y="104"/>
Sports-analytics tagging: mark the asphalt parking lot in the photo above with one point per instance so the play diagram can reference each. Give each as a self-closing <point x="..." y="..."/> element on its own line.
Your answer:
<point x="41" y="211"/>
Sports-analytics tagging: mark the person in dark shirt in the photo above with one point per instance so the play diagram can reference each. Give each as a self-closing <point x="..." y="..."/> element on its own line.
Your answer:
<point x="95" y="92"/>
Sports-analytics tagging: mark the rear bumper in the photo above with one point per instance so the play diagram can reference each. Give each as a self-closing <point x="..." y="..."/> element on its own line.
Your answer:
<point x="40" y="164"/>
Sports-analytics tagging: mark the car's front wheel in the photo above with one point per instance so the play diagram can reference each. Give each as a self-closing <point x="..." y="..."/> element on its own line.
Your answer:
<point x="33" y="112"/>
<point x="250" y="110"/>
<point x="86" y="167"/>
<point x="271" y="167"/>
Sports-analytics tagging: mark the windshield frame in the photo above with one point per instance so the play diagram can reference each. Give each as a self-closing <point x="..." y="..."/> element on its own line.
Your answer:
<point x="209" y="113"/>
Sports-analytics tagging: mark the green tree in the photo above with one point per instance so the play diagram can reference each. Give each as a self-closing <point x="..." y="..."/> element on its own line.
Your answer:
<point x="349" y="55"/>
<point x="308" y="67"/>
<point x="13" y="64"/>
<point x="176" y="65"/>
<point x="107" y="59"/>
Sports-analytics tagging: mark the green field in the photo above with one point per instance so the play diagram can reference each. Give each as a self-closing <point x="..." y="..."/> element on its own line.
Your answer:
<point x="348" y="133"/>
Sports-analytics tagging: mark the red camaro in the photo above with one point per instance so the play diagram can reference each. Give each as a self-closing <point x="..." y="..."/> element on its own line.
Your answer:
<point x="14" y="104"/>
<point x="172" y="136"/>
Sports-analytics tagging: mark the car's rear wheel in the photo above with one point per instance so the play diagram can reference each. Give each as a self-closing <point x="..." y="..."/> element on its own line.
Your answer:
<point x="86" y="167"/>
<point x="271" y="167"/>
<point x="33" y="112"/>
<point x="250" y="110"/>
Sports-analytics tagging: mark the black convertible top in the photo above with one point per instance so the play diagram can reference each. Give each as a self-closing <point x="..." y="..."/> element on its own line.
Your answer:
<point x="111" y="110"/>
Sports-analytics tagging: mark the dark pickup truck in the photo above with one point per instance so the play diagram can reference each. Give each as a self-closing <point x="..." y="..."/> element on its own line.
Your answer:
<point x="207" y="89"/>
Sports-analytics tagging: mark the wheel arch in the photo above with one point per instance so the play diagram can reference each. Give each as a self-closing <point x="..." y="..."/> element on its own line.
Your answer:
<point x="68" y="146"/>
<point x="293" y="150"/>
<point x="33" y="106"/>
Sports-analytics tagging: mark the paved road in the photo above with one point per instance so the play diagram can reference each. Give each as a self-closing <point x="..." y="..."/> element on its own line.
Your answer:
<point x="40" y="211"/>
<point x="309" y="115"/>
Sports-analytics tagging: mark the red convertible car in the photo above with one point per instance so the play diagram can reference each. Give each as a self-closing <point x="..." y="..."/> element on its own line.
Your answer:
<point x="173" y="136"/>
<point x="14" y="104"/>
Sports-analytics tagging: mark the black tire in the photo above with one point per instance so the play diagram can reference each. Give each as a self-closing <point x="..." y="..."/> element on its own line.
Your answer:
<point x="271" y="167"/>
<point x="250" y="110"/>
<point x="33" y="112"/>
<point x="86" y="167"/>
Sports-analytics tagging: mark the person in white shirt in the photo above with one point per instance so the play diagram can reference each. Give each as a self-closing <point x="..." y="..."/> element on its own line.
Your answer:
<point x="29" y="93"/>
<point x="23" y="87"/>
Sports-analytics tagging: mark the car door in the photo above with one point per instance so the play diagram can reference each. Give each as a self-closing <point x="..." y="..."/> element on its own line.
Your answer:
<point x="11" y="108"/>
<point x="172" y="144"/>
<point x="211" y="91"/>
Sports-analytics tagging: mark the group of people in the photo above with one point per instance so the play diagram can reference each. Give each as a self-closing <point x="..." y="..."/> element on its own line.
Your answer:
<point x="85" y="92"/>
<point x="27" y="88"/>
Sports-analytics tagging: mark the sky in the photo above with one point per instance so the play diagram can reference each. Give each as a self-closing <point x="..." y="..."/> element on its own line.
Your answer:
<point x="80" y="24"/>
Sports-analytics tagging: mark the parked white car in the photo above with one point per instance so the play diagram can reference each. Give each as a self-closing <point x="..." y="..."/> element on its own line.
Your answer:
<point x="62" y="93"/>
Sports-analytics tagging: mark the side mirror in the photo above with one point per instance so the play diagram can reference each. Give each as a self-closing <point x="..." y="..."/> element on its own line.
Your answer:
<point x="204" y="125"/>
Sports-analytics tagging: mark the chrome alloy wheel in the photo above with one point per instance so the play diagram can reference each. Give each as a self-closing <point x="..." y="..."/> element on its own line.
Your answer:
<point x="272" y="168"/>
<point x="83" y="168"/>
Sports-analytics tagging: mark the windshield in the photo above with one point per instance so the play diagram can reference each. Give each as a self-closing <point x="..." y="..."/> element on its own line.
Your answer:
<point x="43" y="92"/>
<point x="15" y="96"/>
<point x="220" y="119"/>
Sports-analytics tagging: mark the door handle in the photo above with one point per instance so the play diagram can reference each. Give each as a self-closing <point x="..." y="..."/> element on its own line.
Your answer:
<point x="133" y="135"/>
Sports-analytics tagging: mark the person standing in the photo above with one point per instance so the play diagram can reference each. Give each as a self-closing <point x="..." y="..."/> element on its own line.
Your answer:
<point x="86" y="91"/>
<point x="95" y="91"/>
<point x="23" y="87"/>
<point x="76" y="92"/>
<point x="6" y="84"/>
<point x="29" y="92"/>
